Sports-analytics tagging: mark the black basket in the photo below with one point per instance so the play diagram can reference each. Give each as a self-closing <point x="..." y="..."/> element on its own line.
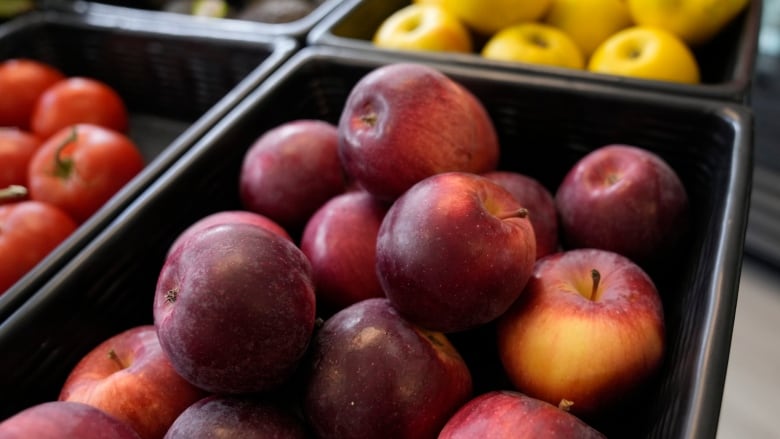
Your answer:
<point x="726" y="63"/>
<point x="545" y="125"/>
<point x="136" y="9"/>
<point x="176" y="86"/>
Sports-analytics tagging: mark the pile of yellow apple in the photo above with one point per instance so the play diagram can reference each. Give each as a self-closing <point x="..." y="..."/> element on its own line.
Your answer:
<point x="650" y="39"/>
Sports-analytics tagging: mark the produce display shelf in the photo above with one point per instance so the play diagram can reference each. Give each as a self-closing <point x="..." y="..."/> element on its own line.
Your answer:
<point x="726" y="62"/>
<point x="176" y="84"/>
<point x="545" y="124"/>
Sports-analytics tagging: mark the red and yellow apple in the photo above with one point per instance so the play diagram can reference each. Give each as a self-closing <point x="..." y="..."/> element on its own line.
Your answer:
<point x="129" y="377"/>
<point x="587" y="331"/>
<point x="454" y="252"/>
<point x="64" y="420"/>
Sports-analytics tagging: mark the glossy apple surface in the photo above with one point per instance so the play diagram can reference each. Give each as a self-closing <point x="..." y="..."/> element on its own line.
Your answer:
<point x="534" y="43"/>
<point x="64" y="420"/>
<point x="340" y="242"/>
<point x="590" y="340"/>
<point x="623" y="199"/>
<point x="291" y="170"/>
<point x="404" y="122"/>
<point x="454" y="252"/>
<point x="229" y="216"/>
<point x="373" y="374"/>
<point x="236" y="417"/>
<point x="508" y="414"/>
<point x="234" y="308"/>
<point x="129" y="377"/>
<point x="540" y="204"/>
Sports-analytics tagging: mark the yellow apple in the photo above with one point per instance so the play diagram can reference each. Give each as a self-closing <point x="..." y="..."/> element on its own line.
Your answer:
<point x="695" y="21"/>
<point x="534" y="43"/>
<point x="589" y="22"/>
<point x="487" y="17"/>
<point x="423" y="27"/>
<point x="428" y="2"/>
<point x="646" y="52"/>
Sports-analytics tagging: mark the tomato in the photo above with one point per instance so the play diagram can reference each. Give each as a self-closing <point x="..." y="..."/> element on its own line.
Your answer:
<point x="80" y="167"/>
<point x="22" y="81"/>
<point x="78" y="100"/>
<point x="16" y="150"/>
<point x="29" y="230"/>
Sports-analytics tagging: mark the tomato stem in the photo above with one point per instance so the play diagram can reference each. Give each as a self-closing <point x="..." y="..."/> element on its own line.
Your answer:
<point x="63" y="167"/>
<point x="13" y="192"/>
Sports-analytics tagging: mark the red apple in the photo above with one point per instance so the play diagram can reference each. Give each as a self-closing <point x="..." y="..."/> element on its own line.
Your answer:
<point x="64" y="420"/>
<point x="588" y="329"/>
<point x="291" y="170"/>
<point x="340" y="242"/>
<point x="373" y="374"/>
<point x="540" y="204"/>
<point x="129" y="377"/>
<point x="403" y="122"/>
<point x="454" y="252"/>
<point x="623" y="199"/>
<point x="229" y="216"/>
<point x="508" y="414"/>
<point x="236" y="417"/>
<point x="234" y="308"/>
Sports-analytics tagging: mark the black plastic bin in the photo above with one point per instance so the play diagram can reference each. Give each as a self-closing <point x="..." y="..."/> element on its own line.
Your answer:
<point x="726" y="63"/>
<point x="176" y="84"/>
<point x="297" y="29"/>
<point x="544" y="126"/>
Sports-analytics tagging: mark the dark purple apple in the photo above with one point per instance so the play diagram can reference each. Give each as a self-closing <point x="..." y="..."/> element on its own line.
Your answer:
<point x="508" y="414"/>
<point x="454" y="252"/>
<point x="340" y="242"/>
<point x="291" y="170"/>
<point x="236" y="417"/>
<point x="373" y="374"/>
<point x="230" y="216"/>
<point x="64" y="420"/>
<point x="624" y="199"/>
<point x="129" y="377"/>
<point x="235" y="308"/>
<point x="403" y="122"/>
<point x="540" y="204"/>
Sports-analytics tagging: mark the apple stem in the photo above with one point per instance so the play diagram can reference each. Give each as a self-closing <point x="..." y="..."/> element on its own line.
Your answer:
<point x="13" y="192"/>
<point x="170" y="295"/>
<point x="369" y="119"/>
<point x="115" y="358"/>
<point x="565" y="404"/>
<point x="519" y="213"/>
<point x="596" y="276"/>
<point x="64" y="167"/>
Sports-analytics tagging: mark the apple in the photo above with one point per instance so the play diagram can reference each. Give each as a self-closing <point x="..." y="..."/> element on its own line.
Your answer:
<point x="229" y="216"/>
<point x="340" y="242"/>
<point x="588" y="331"/>
<point x="290" y="171"/>
<point x="423" y="27"/>
<point x="454" y="252"/>
<point x="234" y="308"/>
<point x="17" y="148"/>
<point x="540" y="204"/>
<point x="129" y="377"/>
<point x="624" y="199"/>
<point x="648" y="53"/>
<point x="589" y="22"/>
<point x="403" y="122"/>
<point x="510" y="414"/>
<point x="64" y="420"/>
<point x="695" y="21"/>
<point x="236" y="417"/>
<point x="534" y="43"/>
<point x="487" y="17"/>
<point x="374" y="374"/>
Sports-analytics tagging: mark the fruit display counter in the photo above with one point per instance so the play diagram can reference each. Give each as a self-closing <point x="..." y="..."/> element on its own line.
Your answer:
<point x="724" y="59"/>
<point x="544" y="126"/>
<point x="170" y="88"/>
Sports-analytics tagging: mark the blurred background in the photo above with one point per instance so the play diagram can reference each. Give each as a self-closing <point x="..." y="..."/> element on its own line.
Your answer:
<point x="748" y="409"/>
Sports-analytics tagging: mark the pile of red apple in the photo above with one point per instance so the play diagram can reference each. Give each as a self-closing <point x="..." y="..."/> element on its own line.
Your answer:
<point x="333" y="306"/>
